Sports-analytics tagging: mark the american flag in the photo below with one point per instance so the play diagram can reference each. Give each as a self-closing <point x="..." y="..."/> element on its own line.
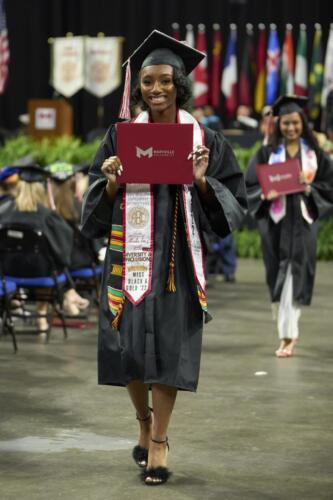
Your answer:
<point x="4" y="49"/>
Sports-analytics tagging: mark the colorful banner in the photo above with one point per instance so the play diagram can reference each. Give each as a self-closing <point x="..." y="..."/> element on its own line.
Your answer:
<point x="229" y="76"/>
<point x="301" y="69"/>
<point x="272" y="66"/>
<point x="247" y="70"/>
<point x="4" y="49"/>
<point x="215" y="96"/>
<point x="287" y="67"/>
<point x="316" y="75"/>
<point x="259" y="92"/>
<point x="200" y="74"/>
<point x="328" y="69"/>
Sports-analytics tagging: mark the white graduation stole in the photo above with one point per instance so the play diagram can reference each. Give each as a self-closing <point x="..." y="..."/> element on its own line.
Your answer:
<point x="278" y="207"/>
<point x="138" y="223"/>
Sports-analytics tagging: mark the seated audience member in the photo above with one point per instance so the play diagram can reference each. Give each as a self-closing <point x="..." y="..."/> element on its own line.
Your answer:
<point x="29" y="207"/>
<point x="244" y="119"/>
<point x="211" y="119"/>
<point x="84" y="251"/>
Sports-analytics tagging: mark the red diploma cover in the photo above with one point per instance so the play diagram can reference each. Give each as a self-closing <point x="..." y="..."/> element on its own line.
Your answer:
<point x="155" y="153"/>
<point x="281" y="177"/>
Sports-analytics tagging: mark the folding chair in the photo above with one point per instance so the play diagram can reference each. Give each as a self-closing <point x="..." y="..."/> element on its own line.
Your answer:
<point x="7" y="290"/>
<point x="38" y="278"/>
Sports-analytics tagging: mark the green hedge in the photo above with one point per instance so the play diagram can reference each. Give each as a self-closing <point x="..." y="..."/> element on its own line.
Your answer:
<point x="73" y="150"/>
<point x="46" y="151"/>
<point x="249" y="246"/>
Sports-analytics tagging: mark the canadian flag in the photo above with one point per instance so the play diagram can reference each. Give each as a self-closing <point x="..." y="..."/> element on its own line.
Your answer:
<point x="200" y="77"/>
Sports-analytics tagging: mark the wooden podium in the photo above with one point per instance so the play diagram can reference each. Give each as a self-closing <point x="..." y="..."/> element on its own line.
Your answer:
<point x="49" y="118"/>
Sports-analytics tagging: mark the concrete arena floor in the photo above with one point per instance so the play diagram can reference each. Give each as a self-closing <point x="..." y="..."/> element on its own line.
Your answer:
<point x="258" y="427"/>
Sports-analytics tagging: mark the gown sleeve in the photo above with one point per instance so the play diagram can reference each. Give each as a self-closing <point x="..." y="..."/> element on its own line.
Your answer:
<point x="225" y="206"/>
<point x="321" y="197"/>
<point x="257" y="207"/>
<point x="97" y="209"/>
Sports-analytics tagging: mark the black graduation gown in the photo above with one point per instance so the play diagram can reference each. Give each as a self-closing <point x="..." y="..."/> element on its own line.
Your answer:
<point x="292" y="240"/>
<point x="160" y="339"/>
<point x="56" y="230"/>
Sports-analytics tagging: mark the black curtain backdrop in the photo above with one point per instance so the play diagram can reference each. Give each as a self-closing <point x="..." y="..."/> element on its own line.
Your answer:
<point x="31" y="22"/>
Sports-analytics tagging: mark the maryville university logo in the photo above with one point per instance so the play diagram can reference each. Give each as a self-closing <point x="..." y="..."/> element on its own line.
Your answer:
<point x="150" y="152"/>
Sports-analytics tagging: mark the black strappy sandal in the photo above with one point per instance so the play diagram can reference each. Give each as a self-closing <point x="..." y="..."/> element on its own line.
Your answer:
<point x="154" y="476"/>
<point x="140" y="454"/>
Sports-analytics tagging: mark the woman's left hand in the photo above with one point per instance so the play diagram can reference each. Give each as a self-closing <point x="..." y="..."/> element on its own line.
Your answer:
<point x="200" y="157"/>
<point x="302" y="178"/>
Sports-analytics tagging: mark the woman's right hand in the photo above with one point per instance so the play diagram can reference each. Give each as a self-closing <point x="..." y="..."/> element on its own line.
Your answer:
<point x="271" y="195"/>
<point x="111" y="168"/>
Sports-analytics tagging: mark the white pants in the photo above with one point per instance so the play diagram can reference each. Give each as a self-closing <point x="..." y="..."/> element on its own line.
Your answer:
<point x="287" y="313"/>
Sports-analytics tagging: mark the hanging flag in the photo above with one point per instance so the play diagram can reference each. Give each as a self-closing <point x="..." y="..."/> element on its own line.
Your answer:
<point x="287" y="66"/>
<point x="316" y="75"/>
<point x="189" y="37"/>
<point x="301" y="69"/>
<point x="67" y="56"/>
<point x="328" y="69"/>
<point x="247" y="70"/>
<point x="4" y="48"/>
<point x="200" y="74"/>
<point x="103" y="57"/>
<point x="189" y="40"/>
<point x="216" y="67"/>
<point x="229" y="75"/>
<point x="272" y="66"/>
<point x="259" y="92"/>
<point x="175" y="31"/>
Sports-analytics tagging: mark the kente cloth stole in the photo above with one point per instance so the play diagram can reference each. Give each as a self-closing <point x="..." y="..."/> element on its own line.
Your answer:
<point x="132" y="239"/>
<point x="278" y="207"/>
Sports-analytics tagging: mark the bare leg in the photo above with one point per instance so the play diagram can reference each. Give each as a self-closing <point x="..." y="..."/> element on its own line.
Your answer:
<point x="42" y="308"/>
<point x="289" y="348"/>
<point x="138" y="392"/>
<point x="164" y="398"/>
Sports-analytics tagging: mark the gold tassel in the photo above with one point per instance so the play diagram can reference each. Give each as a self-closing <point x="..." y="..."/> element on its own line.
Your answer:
<point x="116" y="321"/>
<point x="171" y="287"/>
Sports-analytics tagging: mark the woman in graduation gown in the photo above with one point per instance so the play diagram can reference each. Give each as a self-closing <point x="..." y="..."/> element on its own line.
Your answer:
<point x="288" y="224"/>
<point x="155" y="340"/>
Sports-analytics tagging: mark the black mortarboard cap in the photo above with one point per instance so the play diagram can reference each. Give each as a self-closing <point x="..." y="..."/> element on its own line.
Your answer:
<point x="286" y="104"/>
<point x="158" y="48"/>
<point x="32" y="173"/>
<point x="61" y="171"/>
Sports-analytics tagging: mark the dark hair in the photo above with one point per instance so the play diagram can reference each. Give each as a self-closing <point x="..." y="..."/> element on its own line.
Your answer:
<point x="307" y="133"/>
<point x="183" y="87"/>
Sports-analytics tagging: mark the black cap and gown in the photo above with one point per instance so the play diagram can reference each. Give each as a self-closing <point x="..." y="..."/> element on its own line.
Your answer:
<point x="159" y="340"/>
<point x="293" y="239"/>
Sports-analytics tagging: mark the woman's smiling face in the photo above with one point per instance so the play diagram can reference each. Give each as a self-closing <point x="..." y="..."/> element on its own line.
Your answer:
<point x="291" y="126"/>
<point x="157" y="87"/>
